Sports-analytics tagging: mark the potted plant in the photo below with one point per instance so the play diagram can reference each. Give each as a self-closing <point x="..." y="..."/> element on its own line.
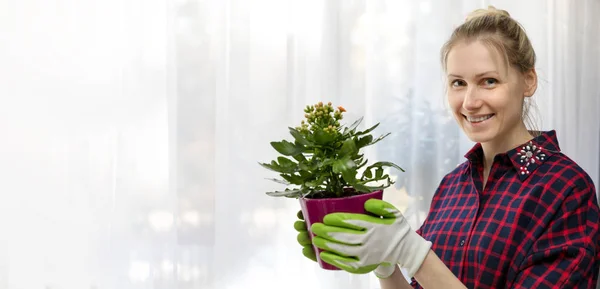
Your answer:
<point x="324" y="168"/>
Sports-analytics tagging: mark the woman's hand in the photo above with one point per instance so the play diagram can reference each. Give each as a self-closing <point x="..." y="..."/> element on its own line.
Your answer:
<point x="303" y="238"/>
<point x="359" y="243"/>
<point x="382" y="271"/>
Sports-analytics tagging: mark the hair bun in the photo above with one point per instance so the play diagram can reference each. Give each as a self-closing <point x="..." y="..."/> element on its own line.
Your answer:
<point x="491" y="10"/>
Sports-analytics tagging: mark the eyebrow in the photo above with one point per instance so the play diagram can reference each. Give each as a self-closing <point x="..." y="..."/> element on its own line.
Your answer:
<point x="476" y="76"/>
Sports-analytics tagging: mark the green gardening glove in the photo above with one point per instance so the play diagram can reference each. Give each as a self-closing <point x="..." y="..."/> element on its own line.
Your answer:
<point x="382" y="271"/>
<point x="359" y="243"/>
<point x="303" y="238"/>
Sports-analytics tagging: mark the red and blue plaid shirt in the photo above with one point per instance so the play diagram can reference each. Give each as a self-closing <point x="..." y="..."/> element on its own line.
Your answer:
<point x="534" y="225"/>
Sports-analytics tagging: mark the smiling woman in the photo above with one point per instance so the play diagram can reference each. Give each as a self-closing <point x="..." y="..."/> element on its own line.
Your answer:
<point x="131" y="129"/>
<point x="517" y="214"/>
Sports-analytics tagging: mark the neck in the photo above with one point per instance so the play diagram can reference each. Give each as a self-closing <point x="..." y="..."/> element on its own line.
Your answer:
<point x="500" y="145"/>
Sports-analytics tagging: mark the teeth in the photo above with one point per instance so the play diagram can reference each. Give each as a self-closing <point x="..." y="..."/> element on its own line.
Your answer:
<point x="478" y="119"/>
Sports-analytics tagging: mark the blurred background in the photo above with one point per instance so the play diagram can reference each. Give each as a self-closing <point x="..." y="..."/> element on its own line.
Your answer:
<point x="131" y="130"/>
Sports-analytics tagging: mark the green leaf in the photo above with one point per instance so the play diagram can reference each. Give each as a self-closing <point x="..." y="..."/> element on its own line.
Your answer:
<point x="287" y="167"/>
<point x="287" y="164"/>
<point x="378" y="139"/>
<point x="379" y="166"/>
<point x="286" y="148"/>
<point x="283" y="182"/>
<point x="317" y="182"/>
<point x="368" y="130"/>
<point x="368" y="174"/>
<point x="353" y="126"/>
<point x="348" y="148"/>
<point x="287" y="193"/>
<point x="364" y="141"/>
<point x="272" y="166"/>
<point x="305" y="175"/>
<point x="387" y="164"/>
<point x="378" y="173"/>
<point x="300" y="158"/>
<point x="293" y="178"/>
<point x="299" y="137"/>
<point x="323" y="138"/>
<point x="326" y="163"/>
<point x="361" y="162"/>
<point x="305" y="167"/>
<point x="347" y="168"/>
<point x="361" y="188"/>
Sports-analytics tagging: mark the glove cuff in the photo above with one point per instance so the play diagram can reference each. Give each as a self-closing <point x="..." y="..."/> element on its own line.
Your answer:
<point x="384" y="271"/>
<point x="419" y="252"/>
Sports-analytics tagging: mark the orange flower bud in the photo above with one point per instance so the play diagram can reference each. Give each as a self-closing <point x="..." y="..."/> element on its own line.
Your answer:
<point x="341" y="108"/>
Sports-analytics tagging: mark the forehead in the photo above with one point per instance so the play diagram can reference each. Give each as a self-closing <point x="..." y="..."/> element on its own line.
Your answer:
<point x="472" y="58"/>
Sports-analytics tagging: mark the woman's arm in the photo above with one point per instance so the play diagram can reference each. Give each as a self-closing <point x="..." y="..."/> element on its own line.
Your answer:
<point x="434" y="274"/>
<point x="395" y="281"/>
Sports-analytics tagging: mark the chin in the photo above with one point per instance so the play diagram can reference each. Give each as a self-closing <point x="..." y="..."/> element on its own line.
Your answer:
<point x="482" y="136"/>
<point x="479" y="137"/>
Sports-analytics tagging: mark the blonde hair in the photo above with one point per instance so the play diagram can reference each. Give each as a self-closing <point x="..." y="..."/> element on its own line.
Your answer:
<point x="497" y="29"/>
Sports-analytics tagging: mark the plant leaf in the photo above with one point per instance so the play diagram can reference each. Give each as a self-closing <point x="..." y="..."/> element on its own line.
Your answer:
<point x="378" y="173"/>
<point x="364" y="141"/>
<point x="378" y="139"/>
<point x="323" y="138"/>
<point x="272" y="166"/>
<point x="317" y="182"/>
<point x="361" y="188"/>
<point x="283" y="182"/>
<point x="353" y="126"/>
<point x="326" y="163"/>
<point x="348" y="148"/>
<point x="300" y="158"/>
<point x="389" y="164"/>
<point x="347" y="168"/>
<point x="368" y="130"/>
<point x="294" y="179"/>
<point x="287" y="193"/>
<point x="287" y="164"/>
<point x="299" y="137"/>
<point x="362" y="163"/>
<point x="286" y="148"/>
<point x="386" y="164"/>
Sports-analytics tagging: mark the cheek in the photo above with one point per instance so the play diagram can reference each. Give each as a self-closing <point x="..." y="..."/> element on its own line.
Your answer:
<point x="455" y="100"/>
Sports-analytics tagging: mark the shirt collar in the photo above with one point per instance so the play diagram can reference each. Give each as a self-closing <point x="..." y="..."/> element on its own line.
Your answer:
<point x="526" y="157"/>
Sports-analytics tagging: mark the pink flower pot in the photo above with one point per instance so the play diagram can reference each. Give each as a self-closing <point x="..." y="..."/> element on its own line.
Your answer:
<point x="314" y="210"/>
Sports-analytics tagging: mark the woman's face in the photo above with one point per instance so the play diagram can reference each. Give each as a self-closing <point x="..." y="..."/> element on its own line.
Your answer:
<point x="485" y="96"/>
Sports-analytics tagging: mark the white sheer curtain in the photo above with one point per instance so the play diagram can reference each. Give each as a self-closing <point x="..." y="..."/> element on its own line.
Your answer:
<point x="132" y="130"/>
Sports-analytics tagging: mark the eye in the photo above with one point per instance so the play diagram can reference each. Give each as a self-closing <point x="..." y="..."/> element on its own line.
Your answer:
<point x="457" y="83"/>
<point x="490" y="82"/>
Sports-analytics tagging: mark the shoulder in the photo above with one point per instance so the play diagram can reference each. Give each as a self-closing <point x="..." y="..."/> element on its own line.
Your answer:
<point x="557" y="171"/>
<point x="562" y="174"/>
<point x="457" y="178"/>
<point x="456" y="175"/>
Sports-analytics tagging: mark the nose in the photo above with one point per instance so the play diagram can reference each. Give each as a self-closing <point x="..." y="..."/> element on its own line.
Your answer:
<point x="471" y="101"/>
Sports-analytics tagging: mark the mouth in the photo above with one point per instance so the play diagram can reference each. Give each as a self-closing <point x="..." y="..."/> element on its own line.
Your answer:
<point x="478" y="118"/>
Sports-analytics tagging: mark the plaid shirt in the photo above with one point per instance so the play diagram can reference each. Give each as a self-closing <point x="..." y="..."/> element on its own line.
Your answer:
<point x="535" y="225"/>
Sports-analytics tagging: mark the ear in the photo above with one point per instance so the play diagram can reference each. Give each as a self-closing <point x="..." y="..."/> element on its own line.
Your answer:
<point x="530" y="82"/>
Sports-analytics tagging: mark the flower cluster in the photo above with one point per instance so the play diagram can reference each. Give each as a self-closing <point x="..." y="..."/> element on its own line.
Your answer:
<point x="321" y="117"/>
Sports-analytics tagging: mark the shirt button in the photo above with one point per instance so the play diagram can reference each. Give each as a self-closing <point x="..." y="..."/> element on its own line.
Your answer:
<point x="462" y="242"/>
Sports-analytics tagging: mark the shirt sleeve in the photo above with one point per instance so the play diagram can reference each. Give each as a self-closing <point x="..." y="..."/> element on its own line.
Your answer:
<point x="566" y="254"/>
